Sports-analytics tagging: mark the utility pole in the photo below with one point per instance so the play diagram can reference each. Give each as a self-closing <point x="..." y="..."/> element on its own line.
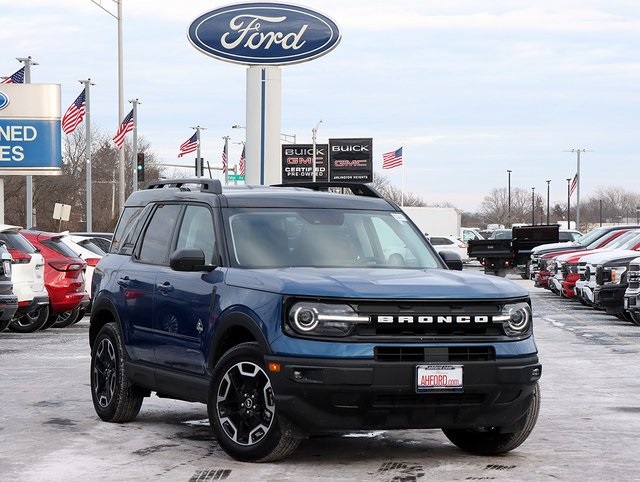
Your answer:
<point x="548" y="183"/>
<point x="28" y="62"/>
<point x="533" y="206"/>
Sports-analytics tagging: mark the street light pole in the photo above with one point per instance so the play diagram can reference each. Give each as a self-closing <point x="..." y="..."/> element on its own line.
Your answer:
<point x="548" y="183"/>
<point x="134" y="178"/>
<point x="314" y="132"/>
<point x="121" y="160"/>
<point x="533" y="206"/>
<point x="509" y="198"/>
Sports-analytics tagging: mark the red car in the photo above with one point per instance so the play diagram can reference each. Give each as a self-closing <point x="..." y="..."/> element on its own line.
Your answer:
<point x="63" y="275"/>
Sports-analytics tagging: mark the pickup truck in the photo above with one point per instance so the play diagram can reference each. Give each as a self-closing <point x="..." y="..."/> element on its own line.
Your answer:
<point x="508" y="249"/>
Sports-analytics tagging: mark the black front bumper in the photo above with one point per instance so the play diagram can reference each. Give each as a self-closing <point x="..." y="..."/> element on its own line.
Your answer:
<point x="326" y="395"/>
<point x="610" y="298"/>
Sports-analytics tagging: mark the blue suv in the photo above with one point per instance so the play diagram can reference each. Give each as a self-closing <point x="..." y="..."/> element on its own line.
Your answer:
<point x="295" y="311"/>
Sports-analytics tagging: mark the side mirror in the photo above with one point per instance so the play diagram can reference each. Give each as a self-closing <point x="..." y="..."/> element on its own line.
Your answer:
<point x="452" y="260"/>
<point x="189" y="259"/>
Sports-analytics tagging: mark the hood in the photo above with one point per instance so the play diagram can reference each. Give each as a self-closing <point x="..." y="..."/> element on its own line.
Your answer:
<point x="551" y="246"/>
<point x="611" y="255"/>
<point x="376" y="283"/>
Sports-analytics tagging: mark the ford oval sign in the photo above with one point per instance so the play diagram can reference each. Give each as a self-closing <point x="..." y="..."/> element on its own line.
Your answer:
<point x="4" y="100"/>
<point x="264" y="34"/>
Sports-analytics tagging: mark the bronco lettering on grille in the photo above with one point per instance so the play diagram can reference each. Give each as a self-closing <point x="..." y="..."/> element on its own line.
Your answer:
<point x="459" y="319"/>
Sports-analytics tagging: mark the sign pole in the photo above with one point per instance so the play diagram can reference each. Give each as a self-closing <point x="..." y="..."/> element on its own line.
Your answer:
<point x="28" y="62"/>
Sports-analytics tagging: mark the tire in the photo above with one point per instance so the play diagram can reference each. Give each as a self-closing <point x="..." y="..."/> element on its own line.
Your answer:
<point x="489" y="440"/>
<point x="80" y="316"/>
<point x="30" y="322"/>
<point x="635" y="317"/>
<point x="242" y="411"/>
<point x="115" y="398"/>
<point x="67" y="318"/>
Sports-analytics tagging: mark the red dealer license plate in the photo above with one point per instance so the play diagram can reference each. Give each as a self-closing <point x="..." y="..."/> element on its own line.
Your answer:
<point x="439" y="378"/>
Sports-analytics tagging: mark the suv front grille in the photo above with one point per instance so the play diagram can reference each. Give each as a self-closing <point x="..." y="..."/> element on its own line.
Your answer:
<point x="421" y="319"/>
<point x="434" y="354"/>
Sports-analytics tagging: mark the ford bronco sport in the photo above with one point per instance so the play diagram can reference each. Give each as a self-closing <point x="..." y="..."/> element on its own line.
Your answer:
<point x="279" y="309"/>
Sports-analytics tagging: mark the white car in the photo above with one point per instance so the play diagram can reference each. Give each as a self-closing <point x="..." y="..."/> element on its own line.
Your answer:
<point x="28" y="281"/>
<point x="90" y="253"/>
<point x="450" y="243"/>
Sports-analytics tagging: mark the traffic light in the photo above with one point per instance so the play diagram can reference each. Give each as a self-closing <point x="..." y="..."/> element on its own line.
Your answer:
<point x="140" y="167"/>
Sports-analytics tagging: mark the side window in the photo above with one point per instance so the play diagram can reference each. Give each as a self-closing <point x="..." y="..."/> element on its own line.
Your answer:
<point x="125" y="236"/>
<point x="157" y="238"/>
<point x="196" y="231"/>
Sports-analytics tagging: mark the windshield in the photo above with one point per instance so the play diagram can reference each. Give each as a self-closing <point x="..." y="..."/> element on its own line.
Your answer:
<point x="321" y="238"/>
<point x="590" y="237"/>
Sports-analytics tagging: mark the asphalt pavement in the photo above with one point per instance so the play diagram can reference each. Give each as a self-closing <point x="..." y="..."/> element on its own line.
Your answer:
<point x="588" y="428"/>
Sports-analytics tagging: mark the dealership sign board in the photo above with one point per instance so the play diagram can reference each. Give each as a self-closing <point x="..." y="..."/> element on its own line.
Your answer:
<point x="264" y="34"/>
<point x="30" y="137"/>
<point x="297" y="163"/>
<point x="351" y="160"/>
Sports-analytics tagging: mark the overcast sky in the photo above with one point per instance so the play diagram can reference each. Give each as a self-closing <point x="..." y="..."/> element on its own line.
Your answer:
<point x="468" y="88"/>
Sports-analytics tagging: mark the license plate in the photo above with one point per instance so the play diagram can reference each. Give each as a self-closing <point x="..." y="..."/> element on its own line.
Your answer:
<point x="439" y="378"/>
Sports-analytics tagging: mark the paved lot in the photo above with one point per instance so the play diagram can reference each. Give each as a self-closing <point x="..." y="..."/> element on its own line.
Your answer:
<point x="589" y="425"/>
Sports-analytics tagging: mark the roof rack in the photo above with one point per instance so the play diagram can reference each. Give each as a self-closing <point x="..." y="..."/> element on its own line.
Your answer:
<point x="359" y="189"/>
<point x="213" y="186"/>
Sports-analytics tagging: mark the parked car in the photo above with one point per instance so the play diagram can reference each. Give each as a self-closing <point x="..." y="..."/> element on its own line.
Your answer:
<point x="8" y="301"/>
<point x="27" y="276"/>
<point x="450" y="243"/>
<point x="100" y="239"/>
<point x="63" y="275"/>
<point x="632" y="293"/>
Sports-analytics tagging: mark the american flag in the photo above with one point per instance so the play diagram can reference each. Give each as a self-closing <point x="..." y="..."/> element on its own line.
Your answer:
<point x="16" y="78"/>
<point x="574" y="184"/>
<point x="242" y="163"/>
<point x="224" y="160"/>
<point x="392" y="159"/>
<point x="74" y="115"/>
<point x="125" y="127"/>
<point x="189" y="145"/>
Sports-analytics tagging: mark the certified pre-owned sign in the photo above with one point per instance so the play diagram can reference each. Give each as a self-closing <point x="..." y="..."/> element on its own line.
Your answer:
<point x="264" y="34"/>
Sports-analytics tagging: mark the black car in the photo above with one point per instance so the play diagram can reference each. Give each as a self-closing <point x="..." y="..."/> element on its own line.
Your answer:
<point x="8" y="301"/>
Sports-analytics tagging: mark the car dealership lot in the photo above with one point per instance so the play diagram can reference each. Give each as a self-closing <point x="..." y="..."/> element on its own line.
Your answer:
<point x="588" y="424"/>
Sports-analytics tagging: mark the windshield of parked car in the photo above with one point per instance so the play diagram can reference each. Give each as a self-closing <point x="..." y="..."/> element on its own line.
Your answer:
<point x="321" y="238"/>
<point x="590" y="237"/>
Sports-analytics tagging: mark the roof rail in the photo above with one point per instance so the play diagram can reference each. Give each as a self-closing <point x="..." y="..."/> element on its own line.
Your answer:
<point x="213" y="186"/>
<point x="357" y="188"/>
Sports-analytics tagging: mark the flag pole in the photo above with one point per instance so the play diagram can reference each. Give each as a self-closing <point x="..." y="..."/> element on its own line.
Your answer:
<point x="402" y="186"/>
<point x="87" y="118"/>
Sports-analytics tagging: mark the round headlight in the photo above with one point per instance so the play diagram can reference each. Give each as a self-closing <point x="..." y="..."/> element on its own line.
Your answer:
<point x="516" y="318"/>
<point x="305" y="318"/>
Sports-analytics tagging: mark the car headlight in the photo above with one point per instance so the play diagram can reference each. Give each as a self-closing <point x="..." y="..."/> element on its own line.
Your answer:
<point x="516" y="318"/>
<point x="323" y="319"/>
<point x="6" y="266"/>
<point x="613" y="274"/>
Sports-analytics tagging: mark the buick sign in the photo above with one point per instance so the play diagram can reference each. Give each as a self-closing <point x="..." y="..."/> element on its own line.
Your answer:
<point x="4" y="100"/>
<point x="264" y="34"/>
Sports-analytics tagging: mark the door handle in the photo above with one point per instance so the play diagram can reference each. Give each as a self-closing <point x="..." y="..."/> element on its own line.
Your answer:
<point x="165" y="287"/>
<point x="124" y="282"/>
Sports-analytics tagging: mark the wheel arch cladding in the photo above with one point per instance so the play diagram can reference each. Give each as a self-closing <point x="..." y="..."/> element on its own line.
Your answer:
<point x="234" y="329"/>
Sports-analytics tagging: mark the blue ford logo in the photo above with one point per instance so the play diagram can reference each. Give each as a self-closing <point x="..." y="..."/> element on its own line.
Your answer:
<point x="264" y="34"/>
<point x="4" y="100"/>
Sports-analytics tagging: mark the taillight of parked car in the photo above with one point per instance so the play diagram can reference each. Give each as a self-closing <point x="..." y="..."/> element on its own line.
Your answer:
<point x="92" y="261"/>
<point x="20" y="257"/>
<point x="66" y="266"/>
